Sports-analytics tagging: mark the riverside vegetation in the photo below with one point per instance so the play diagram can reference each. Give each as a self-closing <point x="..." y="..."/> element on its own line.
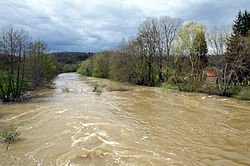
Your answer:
<point x="164" y="53"/>
<point x="27" y="65"/>
<point x="9" y="135"/>
<point x="24" y="64"/>
<point x="167" y="54"/>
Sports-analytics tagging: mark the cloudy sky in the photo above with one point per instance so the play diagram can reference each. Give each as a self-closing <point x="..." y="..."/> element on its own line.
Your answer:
<point x="94" y="25"/>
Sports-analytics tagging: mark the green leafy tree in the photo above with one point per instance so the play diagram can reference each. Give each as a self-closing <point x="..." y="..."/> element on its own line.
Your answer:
<point x="67" y="68"/>
<point x="101" y="65"/>
<point x="190" y="42"/>
<point x="200" y="45"/>
<point x="41" y="67"/>
<point x="86" y="67"/>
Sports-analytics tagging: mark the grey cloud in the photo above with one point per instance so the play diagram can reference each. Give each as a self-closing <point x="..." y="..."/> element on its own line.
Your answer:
<point x="94" y="25"/>
<point x="216" y="13"/>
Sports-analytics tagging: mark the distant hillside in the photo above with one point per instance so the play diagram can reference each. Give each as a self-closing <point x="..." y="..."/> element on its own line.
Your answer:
<point x="69" y="61"/>
<point x="71" y="57"/>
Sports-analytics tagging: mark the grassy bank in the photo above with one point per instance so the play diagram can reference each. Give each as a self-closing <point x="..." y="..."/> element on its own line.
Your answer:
<point x="238" y="92"/>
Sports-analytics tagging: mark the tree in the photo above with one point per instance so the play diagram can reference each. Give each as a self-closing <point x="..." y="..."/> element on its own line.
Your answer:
<point x="41" y="66"/>
<point x="149" y="39"/>
<point x="237" y="55"/>
<point x="101" y="65"/>
<point x="86" y="67"/>
<point x="190" y="42"/>
<point x="242" y="24"/>
<point x="168" y="30"/>
<point x="236" y="62"/>
<point x="14" y="50"/>
<point x="217" y="41"/>
<point x="200" y="46"/>
<point x="237" y="59"/>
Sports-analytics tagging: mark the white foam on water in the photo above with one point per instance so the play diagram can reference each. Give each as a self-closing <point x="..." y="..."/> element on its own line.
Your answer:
<point x="173" y="154"/>
<point x="60" y="112"/>
<point x="88" y="124"/>
<point x="76" y="141"/>
<point x="108" y="142"/>
<point x="102" y="133"/>
<point x="144" y="137"/>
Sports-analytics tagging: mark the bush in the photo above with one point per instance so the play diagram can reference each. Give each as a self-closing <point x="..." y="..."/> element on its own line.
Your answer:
<point x="9" y="135"/>
<point x="86" y="68"/>
<point x="243" y="94"/>
<point x="97" y="89"/>
<point x="65" y="89"/>
<point x="101" y="65"/>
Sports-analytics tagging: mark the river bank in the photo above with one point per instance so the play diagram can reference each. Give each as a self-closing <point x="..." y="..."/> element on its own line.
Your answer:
<point x="240" y="92"/>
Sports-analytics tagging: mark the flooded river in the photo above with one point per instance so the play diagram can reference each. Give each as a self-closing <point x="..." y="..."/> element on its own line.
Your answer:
<point x="142" y="126"/>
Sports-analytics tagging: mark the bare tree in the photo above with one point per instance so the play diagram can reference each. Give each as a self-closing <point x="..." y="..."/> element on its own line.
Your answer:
<point x="168" y="30"/>
<point x="149" y="38"/>
<point x="217" y="42"/>
<point x="156" y="36"/>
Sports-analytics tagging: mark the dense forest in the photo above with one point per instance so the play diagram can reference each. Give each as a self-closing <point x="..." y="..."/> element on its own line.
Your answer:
<point x="166" y="53"/>
<point x="69" y="61"/>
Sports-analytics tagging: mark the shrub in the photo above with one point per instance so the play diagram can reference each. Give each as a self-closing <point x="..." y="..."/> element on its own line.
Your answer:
<point x="244" y="94"/>
<point x="97" y="89"/>
<point x="9" y="135"/>
<point x="65" y="89"/>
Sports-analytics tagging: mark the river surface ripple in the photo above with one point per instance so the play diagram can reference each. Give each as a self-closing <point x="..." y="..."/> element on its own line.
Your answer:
<point x="142" y="126"/>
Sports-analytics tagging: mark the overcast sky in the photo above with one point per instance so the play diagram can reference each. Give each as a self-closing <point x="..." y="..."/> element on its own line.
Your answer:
<point x="95" y="25"/>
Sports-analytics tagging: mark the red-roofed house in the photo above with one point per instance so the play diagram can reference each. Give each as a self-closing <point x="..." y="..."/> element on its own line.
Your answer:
<point x="210" y="73"/>
<point x="211" y="76"/>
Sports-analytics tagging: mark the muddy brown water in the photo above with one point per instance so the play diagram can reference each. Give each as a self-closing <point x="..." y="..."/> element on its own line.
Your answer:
<point x="142" y="126"/>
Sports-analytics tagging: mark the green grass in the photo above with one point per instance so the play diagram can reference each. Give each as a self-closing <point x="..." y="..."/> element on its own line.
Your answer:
<point x="238" y="92"/>
<point x="243" y="94"/>
<point x="169" y="86"/>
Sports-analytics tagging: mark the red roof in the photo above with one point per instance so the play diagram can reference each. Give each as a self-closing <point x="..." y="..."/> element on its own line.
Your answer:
<point x="210" y="73"/>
